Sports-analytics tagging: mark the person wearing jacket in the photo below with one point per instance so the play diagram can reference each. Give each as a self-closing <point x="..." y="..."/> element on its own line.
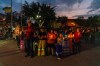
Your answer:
<point x="59" y="49"/>
<point x="29" y="39"/>
<point x="42" y="42"/>
<point x="51" y="40"/>
<point x="77" y="40"/>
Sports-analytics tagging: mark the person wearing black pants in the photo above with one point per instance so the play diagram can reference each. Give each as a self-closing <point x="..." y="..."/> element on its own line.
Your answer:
<point x="29" y="40"/>
<point x="76" y="47"/>
<point x="29" y="47"/>
<point x="77" y="41"/>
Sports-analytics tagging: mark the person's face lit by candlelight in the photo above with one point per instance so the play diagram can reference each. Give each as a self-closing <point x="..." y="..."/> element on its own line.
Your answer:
<point x="51" y="31"/>
<point x="78" y="30"/>
<point x="29" y="23"/>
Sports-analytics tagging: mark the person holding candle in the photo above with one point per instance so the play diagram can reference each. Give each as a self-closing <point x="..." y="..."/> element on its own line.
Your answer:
<point x="70" y="41"/>
<point x="77" y="40"/>
<point x="59" y="48"/>
<point x="51" y="40"/>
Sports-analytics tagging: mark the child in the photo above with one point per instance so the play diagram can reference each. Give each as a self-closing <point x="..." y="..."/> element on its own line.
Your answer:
<point x="22" y="39"/>
<point x="59" y="46"/>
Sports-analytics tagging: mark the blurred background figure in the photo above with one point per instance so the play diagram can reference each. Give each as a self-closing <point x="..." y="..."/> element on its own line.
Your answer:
<point x="17" y="34"/>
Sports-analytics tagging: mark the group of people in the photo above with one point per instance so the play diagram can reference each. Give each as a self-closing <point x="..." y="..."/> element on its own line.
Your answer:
<point x="5" y="31"/>
<point x="47" y="42"/>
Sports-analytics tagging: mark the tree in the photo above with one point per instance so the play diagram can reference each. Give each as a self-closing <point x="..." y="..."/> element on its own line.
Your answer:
<point x="93" y="21"/>
<point x="26" y="9"/>
<point x="42" y="13"/>
<point x="47" y="14"/>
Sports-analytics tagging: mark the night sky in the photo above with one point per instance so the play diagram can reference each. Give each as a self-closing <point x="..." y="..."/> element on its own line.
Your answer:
<point x="70" y="8"/>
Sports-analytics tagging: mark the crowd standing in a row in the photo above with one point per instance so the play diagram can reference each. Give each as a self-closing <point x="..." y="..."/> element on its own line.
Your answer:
<point x="48" y="42"/>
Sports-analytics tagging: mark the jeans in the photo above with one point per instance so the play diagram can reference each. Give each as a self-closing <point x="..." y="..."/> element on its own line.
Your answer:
<point x="59" y="50"/>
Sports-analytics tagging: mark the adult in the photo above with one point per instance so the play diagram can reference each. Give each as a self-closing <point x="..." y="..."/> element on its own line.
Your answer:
<point x="17" y="34"/>
<point x="51" y="40"/>
<point x="42" y="42"/>
<point x="29" y="31"/>
<point x="70" y="40"/>
<point x="77" y="40"/>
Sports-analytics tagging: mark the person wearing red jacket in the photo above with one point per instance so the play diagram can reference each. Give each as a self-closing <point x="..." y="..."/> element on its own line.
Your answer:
<point x="29" y="39"/>
<point x="77" y="41"/>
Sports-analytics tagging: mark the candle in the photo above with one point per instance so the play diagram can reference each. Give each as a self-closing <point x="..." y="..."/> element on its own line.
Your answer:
<point x="51" y="36"/>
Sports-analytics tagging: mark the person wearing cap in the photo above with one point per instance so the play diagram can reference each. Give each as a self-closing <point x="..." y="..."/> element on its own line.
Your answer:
<point x="29" y="39"/>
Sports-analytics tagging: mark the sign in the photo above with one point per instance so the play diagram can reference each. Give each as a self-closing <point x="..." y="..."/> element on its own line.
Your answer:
<point x="7" y="9"/>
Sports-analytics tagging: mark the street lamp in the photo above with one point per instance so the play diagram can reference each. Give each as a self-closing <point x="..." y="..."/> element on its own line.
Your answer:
<point x="11" y="14"/>
<point x="38" y="16"/>
<point x="21" y="12"/>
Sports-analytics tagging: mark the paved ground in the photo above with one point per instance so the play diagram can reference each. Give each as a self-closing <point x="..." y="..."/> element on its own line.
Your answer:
<point x="11" y="56"/>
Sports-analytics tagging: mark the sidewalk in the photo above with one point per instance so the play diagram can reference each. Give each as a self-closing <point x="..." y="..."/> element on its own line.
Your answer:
<point x="11" y="56"/>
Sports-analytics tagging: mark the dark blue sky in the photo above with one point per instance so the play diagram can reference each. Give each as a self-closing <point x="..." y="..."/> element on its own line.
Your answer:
<point x="70" y="8"/>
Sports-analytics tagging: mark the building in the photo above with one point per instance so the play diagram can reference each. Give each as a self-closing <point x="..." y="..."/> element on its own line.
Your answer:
<point x="69" y="23"/>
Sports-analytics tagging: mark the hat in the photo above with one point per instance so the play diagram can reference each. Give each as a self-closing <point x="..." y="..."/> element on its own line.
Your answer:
<point x="29" y="21"/>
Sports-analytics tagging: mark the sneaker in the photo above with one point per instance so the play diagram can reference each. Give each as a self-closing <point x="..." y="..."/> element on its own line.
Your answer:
<point x="59" y="58"/>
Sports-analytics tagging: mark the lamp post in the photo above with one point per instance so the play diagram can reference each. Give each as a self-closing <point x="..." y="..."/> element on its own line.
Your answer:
<point x="11" y="26"/>
<point x="11" y="15"/>
<point x="21" y="12"/>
